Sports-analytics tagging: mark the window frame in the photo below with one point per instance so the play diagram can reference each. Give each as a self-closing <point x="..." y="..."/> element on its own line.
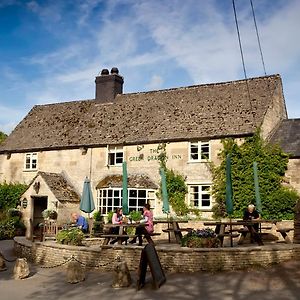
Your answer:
<point x="200" y="192"/>
<point x="99" y="200"/>
<point x="200" y="144"/>
<point x="32" y="156"/>
<point x="114" y="150"/>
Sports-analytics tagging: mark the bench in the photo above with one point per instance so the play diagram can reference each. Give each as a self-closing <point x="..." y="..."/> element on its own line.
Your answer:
<point x="177" y="233"/>
<point x="221" y="236"/>
<point x="118" y="237"/>
<point x="283" y="232"/>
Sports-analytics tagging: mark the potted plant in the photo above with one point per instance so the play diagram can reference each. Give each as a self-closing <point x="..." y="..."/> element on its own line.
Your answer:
<point x="72" y="236"/>
<point x="201" y="238"/>
<point x="49" y="214"/>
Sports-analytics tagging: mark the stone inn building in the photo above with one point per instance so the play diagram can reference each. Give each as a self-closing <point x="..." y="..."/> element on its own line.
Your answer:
<point x="57" y="145"/>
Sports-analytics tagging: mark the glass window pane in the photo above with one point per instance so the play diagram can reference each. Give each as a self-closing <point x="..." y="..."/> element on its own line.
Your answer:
<point x="110" y="192"/>
<point x="205" y="203"/>
<point x="205" y="188"/>
<point x="111" y="159"/>
<point x="109" y="202"/>
<point x="133" y="193"/>
<point x="132" y="202"/>
<point x="142" y="193"/>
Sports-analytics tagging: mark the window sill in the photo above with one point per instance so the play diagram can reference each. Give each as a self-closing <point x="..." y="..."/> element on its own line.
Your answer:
<point x="198" y="161"/>
<point x="30" y="170"/>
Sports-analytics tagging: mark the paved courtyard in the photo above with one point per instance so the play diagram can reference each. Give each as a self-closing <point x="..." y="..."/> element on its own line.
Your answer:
<point x="279" y="282"/>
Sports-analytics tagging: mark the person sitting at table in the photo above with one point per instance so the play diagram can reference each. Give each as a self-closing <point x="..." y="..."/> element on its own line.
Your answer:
<point x="146" y="229"/>
<point x="117" y="218"/>
<point x="250" y="214"/>
<point x="80" y="221"/>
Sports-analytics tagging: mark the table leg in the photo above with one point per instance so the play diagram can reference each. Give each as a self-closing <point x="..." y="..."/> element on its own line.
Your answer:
<point x="177" y="232"/>
<point x="285" y="236"/>
<point x="255" y="235"/>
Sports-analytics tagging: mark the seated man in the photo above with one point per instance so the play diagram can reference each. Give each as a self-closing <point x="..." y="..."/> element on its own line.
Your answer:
<point x="252" y="214"/>
<point x="81" y="222"/>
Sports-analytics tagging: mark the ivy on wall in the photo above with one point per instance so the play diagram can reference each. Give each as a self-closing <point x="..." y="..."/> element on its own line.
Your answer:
<point x="278" y="202"/>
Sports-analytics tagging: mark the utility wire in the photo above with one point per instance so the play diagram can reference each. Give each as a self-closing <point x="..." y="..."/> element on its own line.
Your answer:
<point x="239" y="38"/>
<point x="258" y="39"/>
<point x="242" y="54"/>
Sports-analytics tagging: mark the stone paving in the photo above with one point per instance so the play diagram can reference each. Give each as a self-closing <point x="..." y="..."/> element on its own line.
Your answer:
<point x="278" y="282"/>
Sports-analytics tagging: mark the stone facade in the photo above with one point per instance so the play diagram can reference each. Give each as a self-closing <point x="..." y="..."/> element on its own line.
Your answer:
<point x="293" y="173"/>
<point x="173" y="260"/>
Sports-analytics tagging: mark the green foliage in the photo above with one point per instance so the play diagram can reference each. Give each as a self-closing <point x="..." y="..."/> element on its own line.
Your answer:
<point x="72" y="236"/>
<point x="10" y="194"/>
<point x="135" y="215"/>
<point x="3" y="136"/>
<point x="10" y="227"/>
<point x="176" y="186"/>
<point x="109" y="216"/>
<point x="49" y="214"/>
<point x="201" y="238"/>
<point x="277" y="202"/>
<point x="97" y="216"/>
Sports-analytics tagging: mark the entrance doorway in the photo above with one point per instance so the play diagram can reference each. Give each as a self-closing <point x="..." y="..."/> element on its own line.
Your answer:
<point x="39" y="204"/>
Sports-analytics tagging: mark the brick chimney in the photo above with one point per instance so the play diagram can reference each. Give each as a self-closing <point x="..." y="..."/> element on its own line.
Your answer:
<point x="108" y="85"/>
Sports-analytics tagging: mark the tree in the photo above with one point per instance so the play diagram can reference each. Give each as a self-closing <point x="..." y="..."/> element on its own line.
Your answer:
<point x="10" y="194"/>
<point x="3" y="136"/>
<point x="278" y="202"/>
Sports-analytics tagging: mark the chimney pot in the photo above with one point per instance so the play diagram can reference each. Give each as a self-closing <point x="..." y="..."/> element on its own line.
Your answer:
<point x="108" y="85"/>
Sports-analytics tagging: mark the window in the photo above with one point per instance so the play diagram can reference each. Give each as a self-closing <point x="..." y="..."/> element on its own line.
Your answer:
<point x="109" y="199"/>
<point x="199" y="151"/>
<point x="200" y="196"/>
<point x="30" y="161"/>
<point x="115" y="156"/>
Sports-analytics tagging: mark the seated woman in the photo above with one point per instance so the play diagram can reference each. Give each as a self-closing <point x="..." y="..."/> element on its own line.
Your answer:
<point x="80" y="221"/>
<point x="147" y="229"/>
<point x="117" y="218"/>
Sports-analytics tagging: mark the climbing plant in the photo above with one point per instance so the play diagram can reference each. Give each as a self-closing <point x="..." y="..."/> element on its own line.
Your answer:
<point x="277" y="201"/>
<point x="176" y="186"/>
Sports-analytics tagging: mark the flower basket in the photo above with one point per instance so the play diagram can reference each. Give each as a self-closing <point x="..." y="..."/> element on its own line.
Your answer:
<point x="49" y="214"/>
<point x="204" y="238"/>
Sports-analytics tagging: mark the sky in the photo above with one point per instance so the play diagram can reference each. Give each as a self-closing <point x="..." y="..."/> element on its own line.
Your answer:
<point x="51" y="51"/>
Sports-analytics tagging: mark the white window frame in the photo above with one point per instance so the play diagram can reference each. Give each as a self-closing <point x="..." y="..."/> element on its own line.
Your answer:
<point x="200" y="193"/>
<point x="114" y="150"/>
<point x="32" y="164"/>
<point x="100" y="206"/>
<point x="199" y="144"/>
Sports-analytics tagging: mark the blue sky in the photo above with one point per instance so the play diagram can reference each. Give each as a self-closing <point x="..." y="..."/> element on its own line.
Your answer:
<point x="51" y="51"/>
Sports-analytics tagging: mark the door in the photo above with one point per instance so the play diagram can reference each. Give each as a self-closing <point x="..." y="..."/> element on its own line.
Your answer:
<point x="39" y="204"/>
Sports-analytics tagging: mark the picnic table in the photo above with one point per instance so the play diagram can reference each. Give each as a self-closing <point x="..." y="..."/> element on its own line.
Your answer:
<point x="122" y="234"/>
<point x="248" y="227"/>
<point x="173" y="227"/>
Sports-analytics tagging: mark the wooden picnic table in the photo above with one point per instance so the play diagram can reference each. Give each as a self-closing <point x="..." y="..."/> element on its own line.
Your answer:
<point x="121" y="235"/>
<point x="249" y="227"/>
<point x="173" y="227"/>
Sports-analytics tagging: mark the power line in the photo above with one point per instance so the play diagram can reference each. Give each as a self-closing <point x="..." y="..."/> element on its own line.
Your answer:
<point x="258" y="39"/>
<point x="239" y="38"/>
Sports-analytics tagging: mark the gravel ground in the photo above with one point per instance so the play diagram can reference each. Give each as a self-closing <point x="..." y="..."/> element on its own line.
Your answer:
<point x="277" y="282"/>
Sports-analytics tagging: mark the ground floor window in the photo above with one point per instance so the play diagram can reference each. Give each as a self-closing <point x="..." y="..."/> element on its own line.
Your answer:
<point x="200" y="196"/>
<point x="108" y="199"/>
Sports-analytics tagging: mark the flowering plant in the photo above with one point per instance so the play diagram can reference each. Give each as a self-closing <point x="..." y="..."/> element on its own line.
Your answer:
<point x="200" y="238"/>
<point x="49" y="214"/>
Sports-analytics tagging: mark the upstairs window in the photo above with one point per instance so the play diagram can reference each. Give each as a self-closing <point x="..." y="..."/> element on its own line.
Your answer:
<point x="115" y="156"/>
<point x="31" y="161"/>
<point x="199" y="151"/>
<point x="200" y="196"/>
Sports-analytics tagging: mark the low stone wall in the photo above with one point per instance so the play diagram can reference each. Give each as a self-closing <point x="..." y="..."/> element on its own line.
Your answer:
<point x="177" y="259"/>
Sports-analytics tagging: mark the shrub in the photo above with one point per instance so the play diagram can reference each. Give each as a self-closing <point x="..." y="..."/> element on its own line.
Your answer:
<point x="73" y="236"/>
<point x="10" y="194"/>
<point x="109" y="216"/>
<point x="10" y="227"/>
<point x="97" y="216"/>
<point x="135" y="215"/>
<point x="12" y="212"/>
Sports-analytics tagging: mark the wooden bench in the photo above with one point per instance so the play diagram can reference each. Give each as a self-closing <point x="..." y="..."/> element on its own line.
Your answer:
<point x="221" y="236"/>
<point x="118" y="237"/>
<point x="177" y="233"/>
<point x="283" y="232"/>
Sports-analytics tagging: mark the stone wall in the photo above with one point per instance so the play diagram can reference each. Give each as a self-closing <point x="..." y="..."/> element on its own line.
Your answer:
<point x="172" y="260"/>
<point x="293" y="173"/>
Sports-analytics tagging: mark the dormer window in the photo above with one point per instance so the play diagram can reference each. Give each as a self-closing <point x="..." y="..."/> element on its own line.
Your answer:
<point x="199" y="151"/>
<point x="115" y="156"/>
<point x="31" y="161"/>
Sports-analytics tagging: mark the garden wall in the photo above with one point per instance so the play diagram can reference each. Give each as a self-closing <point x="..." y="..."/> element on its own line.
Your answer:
<point x="177" y="259"/>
